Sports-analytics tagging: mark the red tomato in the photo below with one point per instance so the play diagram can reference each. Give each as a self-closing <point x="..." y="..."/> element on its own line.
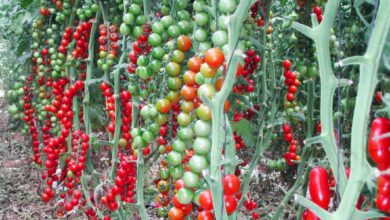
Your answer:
<point x="205" y="215"/>
<point x="379" y="148"/>
<point x="175" y="214"/>
<point x="179" y="184"/>
<point x="230" y="204"/>
<point x="206" y="200"/>
<point x="214" y="57"/>
<point x="231" y="184"/>
<point x="318" y="187"/>
<point x="184" y="43"/>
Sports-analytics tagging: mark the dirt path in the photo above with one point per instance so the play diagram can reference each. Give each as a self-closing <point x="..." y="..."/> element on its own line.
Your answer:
<point x="18" y="179"/>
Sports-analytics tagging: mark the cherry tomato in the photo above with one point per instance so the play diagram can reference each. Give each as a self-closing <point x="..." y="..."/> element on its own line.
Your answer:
<point x="318" y="187"/>
<point x="205" y="215"/>
<point x="214" y="57"/>
<point x="175" y="214"/>
<point x="231" y="184"/>
<point x="205" y="200"/>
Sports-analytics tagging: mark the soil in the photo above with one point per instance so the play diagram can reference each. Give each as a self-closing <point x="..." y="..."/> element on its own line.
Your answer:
<point x="19" y="182"/>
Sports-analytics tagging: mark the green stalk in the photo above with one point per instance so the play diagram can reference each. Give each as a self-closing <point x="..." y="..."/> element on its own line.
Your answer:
<point x="216" y="106"/>
<point x="86" y="101"/>
<point x="118" y="119"/>
<point x="369" y="64"/>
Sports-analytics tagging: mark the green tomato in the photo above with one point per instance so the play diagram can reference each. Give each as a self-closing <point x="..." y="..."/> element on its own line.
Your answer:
<point x="199" y="78"/>
<point x="155" y="66"/>
<point x="158" y="53"/>
<point x="179" y="146"/>
<point x="138" y="142"/>
<point x="202" y="145"/>
<point x="183" y="119"/>
<point x="185" y="27"/>
<point x="183" y="15"/>
<point x="154" y="39"/>
<point x="202" y="128"/>
<point x="174" y="158"/>
<point x="128" y="18"/>
<point x="148" y="137"/>
<point x="200" y="35"/>
<point x="176" y="172"/>
<point x="220" y="38"/>
<point x="178" y="56"/>
<point x="207" y="90"/>
<point x="204" y="46"/>
<point x="142" y="60"/>
<point x="167" y="21"/>
<point x="135" y="9"/>
<point x="145" y="112"/>
<point x="198" y="163"/>
<point x="155" y="128"/>
<point x="185" y="196"/>
<point x="227" y="6"/>
<point x="161" y="119"/>
<point x="173" y="69"/>
<point x="185" y="133"/>
<point x="174" y="31"/>
<point x="199" y="5"/>
<point x="164" y="174"/>
<point x="157" y="27"/>
<point x="174" y="83"/>
<point x="201" y="19"/>
<point x="162" y="212"/>
<point x="141" y="20"/>
<point x="191" y="179"/>
<point x="143" y="72"/>
<point x="181" y="4"/>
<point x="138" y="31"/>
<point x="165" y="10"/>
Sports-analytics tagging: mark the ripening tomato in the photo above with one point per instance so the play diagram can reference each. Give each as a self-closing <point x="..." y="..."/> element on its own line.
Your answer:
<point x="179" y="184"/>
<point x="205" y="215"/>
<point x="163" y="106"/>
<point x="231" y="184"/>
<point x="189" y="78"/>
<point x="318" y="187"/>
<point x="184" y="43"/>
<point x="206" y="200"/>
<point x="194" y="64"/>
<point x="214" y="57"/>
<point x="175" y="214"/>
<point x="188" y="93"/>
<point x="207" y="71"/>
<point x="163" y="199"/>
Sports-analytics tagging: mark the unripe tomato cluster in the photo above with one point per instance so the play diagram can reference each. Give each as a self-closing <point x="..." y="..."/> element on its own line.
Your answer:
<point x="108" y="46"/>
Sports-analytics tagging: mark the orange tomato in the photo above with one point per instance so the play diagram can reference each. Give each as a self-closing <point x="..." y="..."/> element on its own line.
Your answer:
<point x="194" y="64"/>
<point x="184" y="43"/>
<point x="188" y="92"/>
<point x="214" y="57"/>
<point x="189" y="77"/>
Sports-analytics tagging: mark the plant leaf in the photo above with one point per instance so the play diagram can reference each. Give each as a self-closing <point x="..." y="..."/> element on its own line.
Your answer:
<point x="244" y="129"/>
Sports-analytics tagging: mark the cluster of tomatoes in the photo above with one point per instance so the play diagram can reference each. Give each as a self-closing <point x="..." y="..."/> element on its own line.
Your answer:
<point x="250" y="205"/>
<point x="125" y="181"/>
<point x="291" y="155"/>
<point x="29" y="119"/>
<point x="81" y="37"/>
<point x="76" y="165"/>
<point x="318" y="12"/>
<point x="291" y="81"/>
<point x="140" y="47"/>
<point x="378" y="149"/>
<point x="108" y="45"/>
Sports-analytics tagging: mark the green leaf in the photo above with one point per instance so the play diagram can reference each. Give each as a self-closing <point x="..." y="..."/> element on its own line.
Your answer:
<point x="244" y="129"/>
<point x="25" y="3"/>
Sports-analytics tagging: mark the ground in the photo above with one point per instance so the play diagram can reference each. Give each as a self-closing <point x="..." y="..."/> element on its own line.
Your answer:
<point x="19" y="182"/>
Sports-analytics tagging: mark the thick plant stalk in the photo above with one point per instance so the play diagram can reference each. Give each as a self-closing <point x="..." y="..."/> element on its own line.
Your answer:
<point x="216" y="106"/>
<point x="87" y="95"/>
<point x="368" y="78"/>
